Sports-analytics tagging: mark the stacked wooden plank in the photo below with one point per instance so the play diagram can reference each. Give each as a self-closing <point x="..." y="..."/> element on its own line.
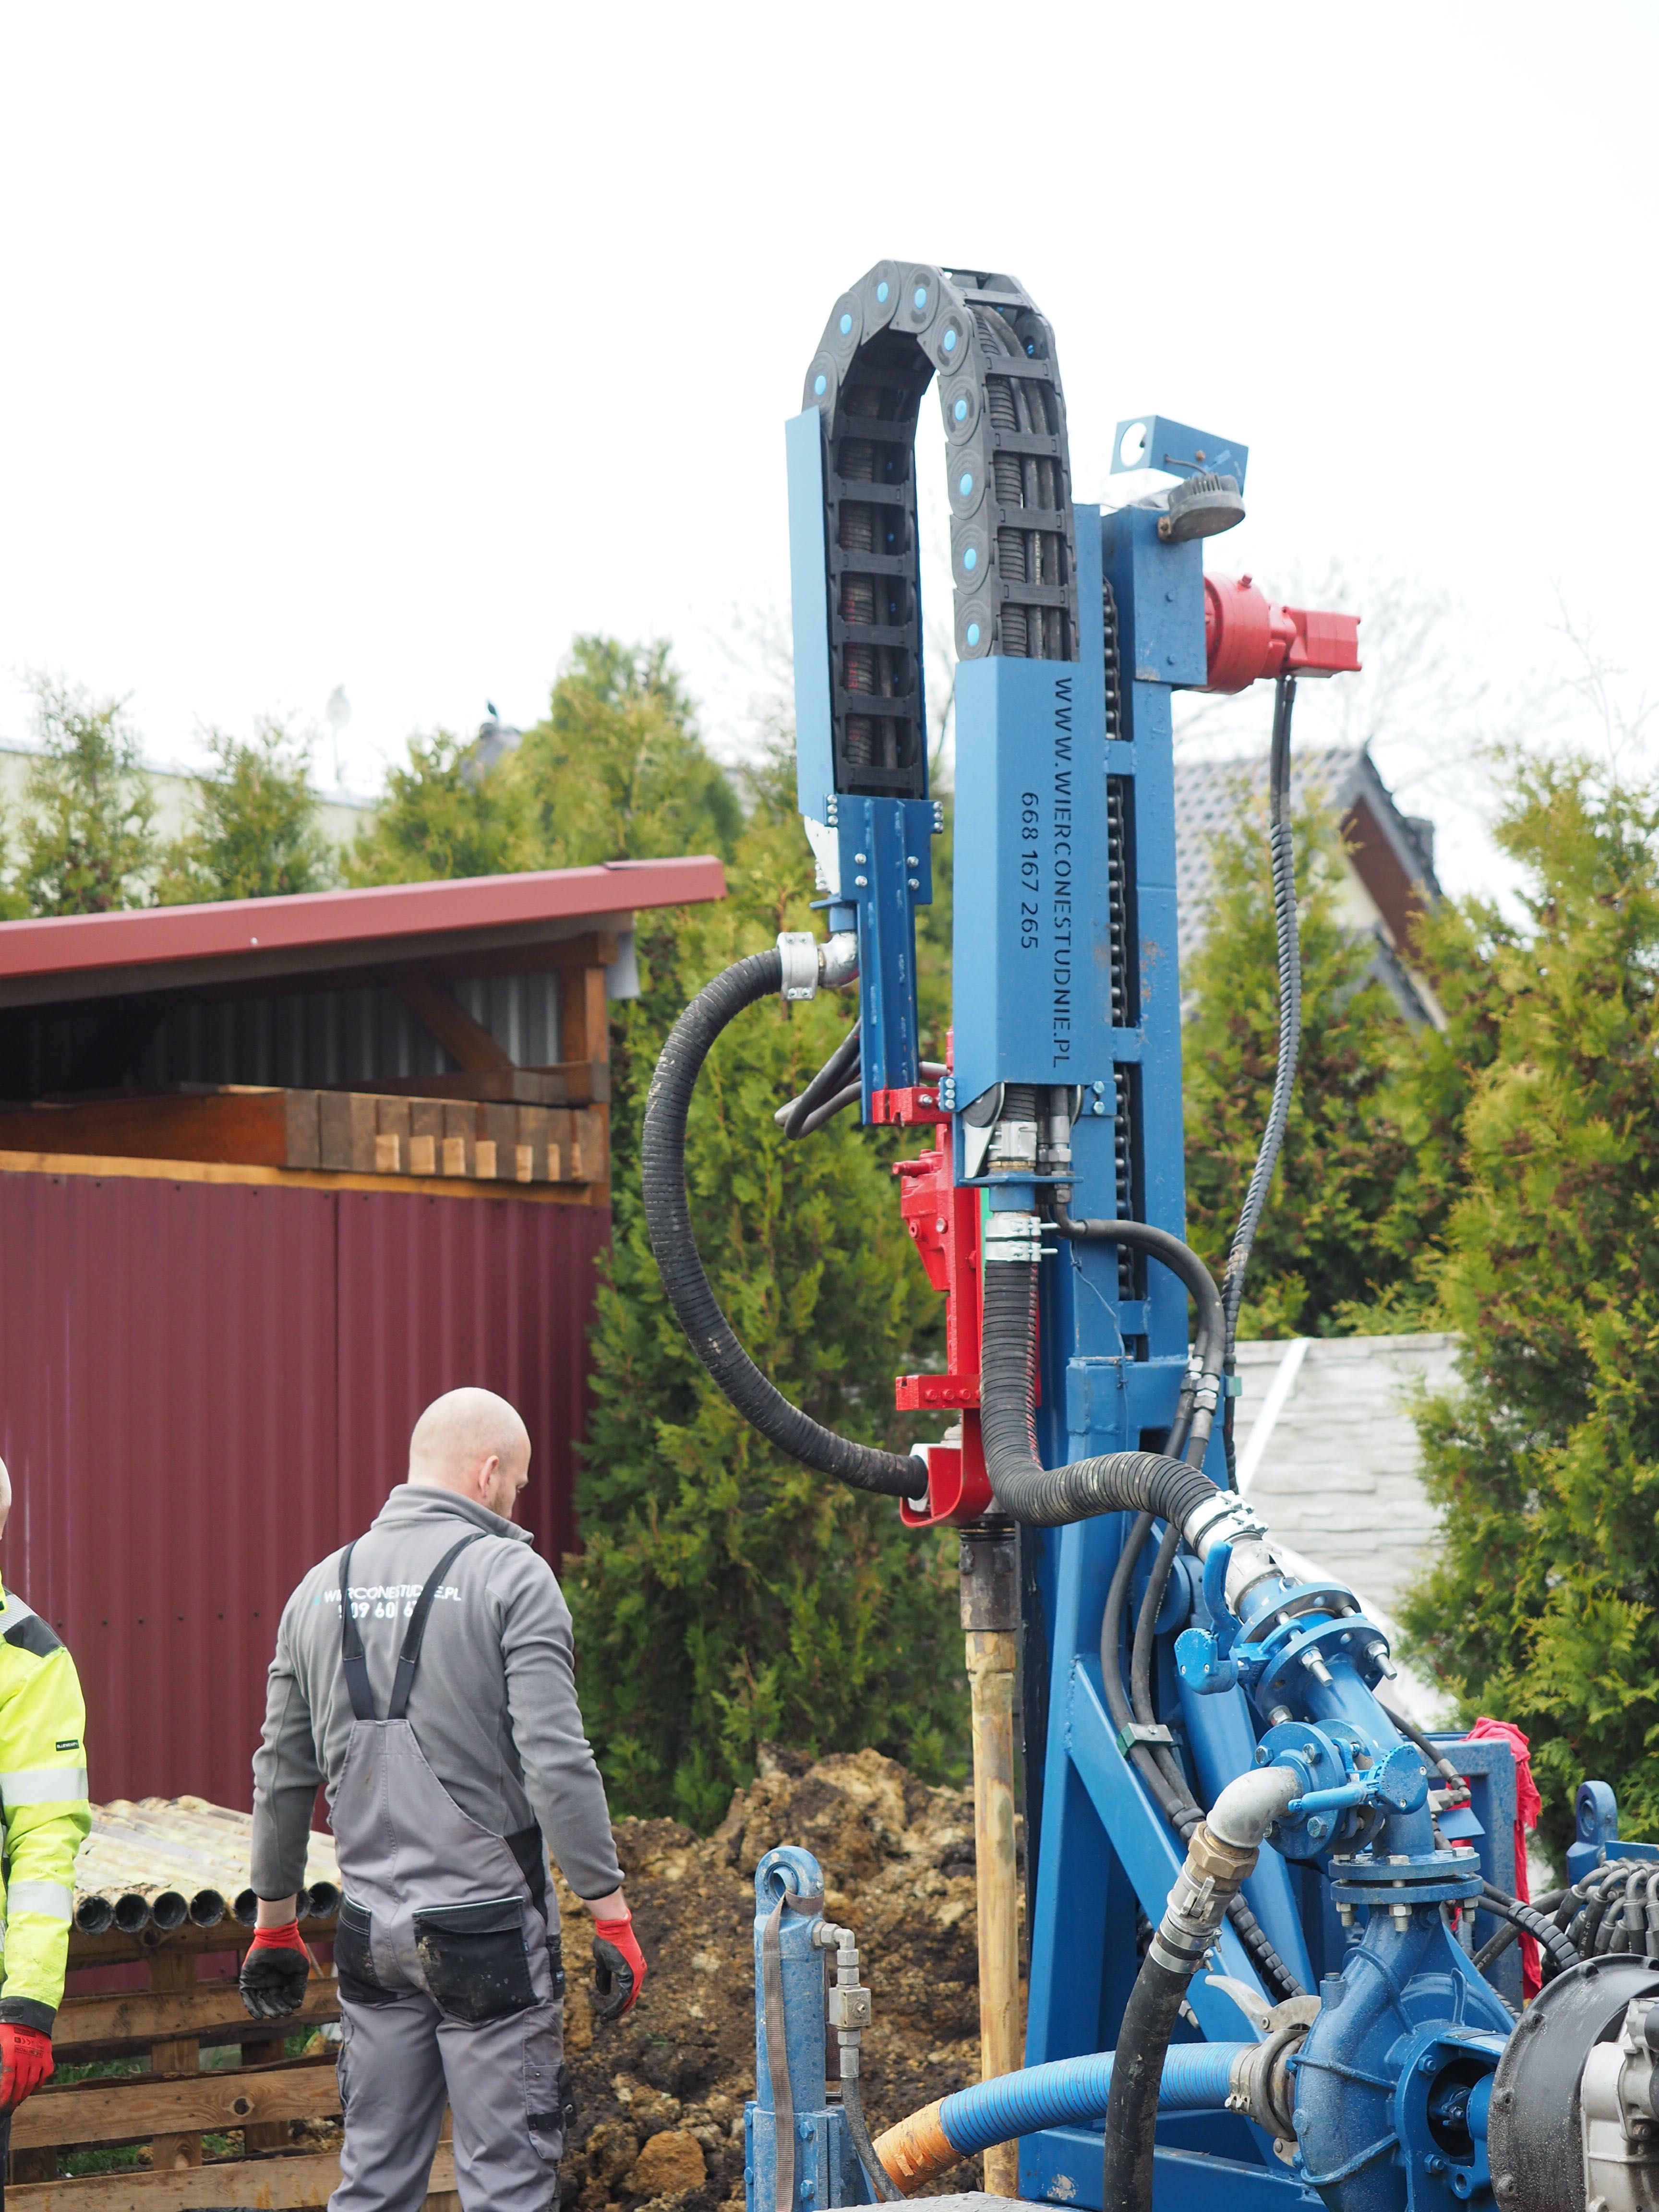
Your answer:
<point x="348" y="1132"/>
<point x="185" y="1848"/>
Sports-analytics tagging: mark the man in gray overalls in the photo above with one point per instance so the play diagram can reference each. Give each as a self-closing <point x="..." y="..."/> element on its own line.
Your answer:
<point x="425" y="1675"/>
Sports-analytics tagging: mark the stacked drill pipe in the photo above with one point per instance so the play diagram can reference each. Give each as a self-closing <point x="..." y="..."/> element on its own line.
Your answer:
<point x="161" y="1862"/>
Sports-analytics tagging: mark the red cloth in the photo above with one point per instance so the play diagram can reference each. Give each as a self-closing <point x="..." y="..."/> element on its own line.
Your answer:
<point x="1527" y="1807"/>
<point x="25" y="2064"/>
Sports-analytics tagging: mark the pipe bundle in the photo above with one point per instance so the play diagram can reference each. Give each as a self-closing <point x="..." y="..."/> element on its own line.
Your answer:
<point x="160" y="1862"/>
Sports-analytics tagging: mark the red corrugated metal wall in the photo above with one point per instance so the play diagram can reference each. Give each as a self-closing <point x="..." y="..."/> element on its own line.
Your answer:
<point x="205" y="1387"/>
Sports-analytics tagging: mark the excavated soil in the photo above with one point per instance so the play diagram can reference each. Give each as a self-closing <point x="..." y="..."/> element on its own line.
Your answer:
<point x="661" y="2095"/>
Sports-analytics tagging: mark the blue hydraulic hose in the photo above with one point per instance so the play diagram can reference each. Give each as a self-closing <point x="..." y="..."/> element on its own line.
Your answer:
<point x="1195" y="2080"/>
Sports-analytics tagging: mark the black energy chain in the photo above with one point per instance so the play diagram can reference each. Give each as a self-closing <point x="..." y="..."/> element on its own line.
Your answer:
<point x="1013" y="544"/>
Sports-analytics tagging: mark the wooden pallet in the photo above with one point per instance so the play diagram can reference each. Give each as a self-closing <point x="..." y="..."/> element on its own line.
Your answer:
<point x="174" y="2104"/>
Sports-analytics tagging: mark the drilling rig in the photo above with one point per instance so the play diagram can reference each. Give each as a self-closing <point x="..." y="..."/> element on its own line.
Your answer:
<point x="1274" y="1930"/>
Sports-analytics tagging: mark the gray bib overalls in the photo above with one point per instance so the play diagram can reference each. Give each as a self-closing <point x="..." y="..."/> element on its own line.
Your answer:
<point x="447" y="1954"/>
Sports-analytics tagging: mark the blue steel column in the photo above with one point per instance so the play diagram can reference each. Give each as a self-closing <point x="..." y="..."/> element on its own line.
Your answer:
<point x="1111" y="1369"/>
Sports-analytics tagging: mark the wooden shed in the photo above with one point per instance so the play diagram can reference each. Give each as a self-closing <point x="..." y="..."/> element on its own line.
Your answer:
<point x="273" y="1174"/>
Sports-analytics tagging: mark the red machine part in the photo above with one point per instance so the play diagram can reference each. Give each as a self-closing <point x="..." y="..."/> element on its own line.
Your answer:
<point x="945" y="1223"/>
<point x="1246" y="638"/>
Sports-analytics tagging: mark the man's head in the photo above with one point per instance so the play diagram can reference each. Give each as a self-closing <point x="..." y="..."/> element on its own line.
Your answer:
<point x="473" y="1443"/>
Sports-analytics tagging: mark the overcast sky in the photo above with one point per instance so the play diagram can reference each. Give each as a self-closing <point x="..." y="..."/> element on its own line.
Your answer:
<point x="390" y="347"/>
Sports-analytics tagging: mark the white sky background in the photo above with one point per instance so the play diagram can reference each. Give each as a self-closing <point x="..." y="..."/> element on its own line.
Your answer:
<point x="392" y="346"/>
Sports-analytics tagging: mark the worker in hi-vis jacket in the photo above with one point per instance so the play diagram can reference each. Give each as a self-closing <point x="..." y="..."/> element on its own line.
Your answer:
<point x="425" y="1675"/>
<point x="43" y="1791"/>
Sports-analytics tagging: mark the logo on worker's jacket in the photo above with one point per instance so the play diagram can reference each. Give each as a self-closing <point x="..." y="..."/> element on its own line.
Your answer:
<point x="386" y="1601"/>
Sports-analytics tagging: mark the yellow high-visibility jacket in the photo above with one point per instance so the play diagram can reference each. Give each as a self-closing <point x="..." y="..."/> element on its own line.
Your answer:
<point x="43" y="1800"/>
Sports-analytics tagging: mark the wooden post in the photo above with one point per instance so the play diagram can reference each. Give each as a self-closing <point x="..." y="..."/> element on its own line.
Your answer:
<point x="174" y="1972"/>
<point x="990" y="1620"/>
<point x="266" y="2135"/>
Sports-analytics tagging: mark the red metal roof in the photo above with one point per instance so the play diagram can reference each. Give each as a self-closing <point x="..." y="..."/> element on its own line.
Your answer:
<point x="249" y="941"/>
<point x="375" y="924"/>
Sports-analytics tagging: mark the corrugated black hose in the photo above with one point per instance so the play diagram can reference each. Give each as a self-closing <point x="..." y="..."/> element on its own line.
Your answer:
<point x="668" y="1219"/>
<point x="1048" y="1498"/>
<point x="1282" y="846"/>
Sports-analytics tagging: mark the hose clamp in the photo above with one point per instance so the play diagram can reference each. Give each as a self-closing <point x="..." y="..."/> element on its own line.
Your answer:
<point x="798" y="957"/>
<point x="1225" y="1518"/>
<point x="1013" y="1236"/>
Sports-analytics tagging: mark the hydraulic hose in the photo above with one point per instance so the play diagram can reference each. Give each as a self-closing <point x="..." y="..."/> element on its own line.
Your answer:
<point x="1495" y="1946"/>
<point x="1157" y="1766"/>
<point x="829" y="1078"/>
<point x="1528" y="1920"/>
<point x="668" y="1217"/>
<point x="1116" y="1482"/>
<point x="1282" y="848"/>
<point x="852" y="2100"/>
<point x="1066" y="2093"/>
<point x="1221" y="1854"/>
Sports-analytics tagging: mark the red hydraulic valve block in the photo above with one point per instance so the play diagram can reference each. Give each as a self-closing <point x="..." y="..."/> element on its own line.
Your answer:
<point x="1246" y="638"/>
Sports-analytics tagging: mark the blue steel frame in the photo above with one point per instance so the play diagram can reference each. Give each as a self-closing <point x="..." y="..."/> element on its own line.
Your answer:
<point x="1031" y="747"/>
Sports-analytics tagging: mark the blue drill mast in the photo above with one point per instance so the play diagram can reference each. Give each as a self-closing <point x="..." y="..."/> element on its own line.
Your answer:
<point x="1271" y="1927"/>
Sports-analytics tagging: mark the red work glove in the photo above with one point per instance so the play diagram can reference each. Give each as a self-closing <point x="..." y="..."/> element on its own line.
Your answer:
<point x="618" y="1965"/>
<point x="25" y="2064"/>
<point x="275" y="1972"/>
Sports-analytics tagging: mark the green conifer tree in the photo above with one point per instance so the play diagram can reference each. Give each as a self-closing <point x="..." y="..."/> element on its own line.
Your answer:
<point x="1543" y="1604"/>
<point x="254" y="831"/>
<point x="1324" y="1261"/>
<point x="89" y="842"/>
<point x="617" y="770"/>
<point x="727" y="1595"/>
<point x="440" y="816"/>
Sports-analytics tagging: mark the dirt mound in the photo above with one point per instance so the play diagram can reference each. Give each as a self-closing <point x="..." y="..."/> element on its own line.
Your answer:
<point x="660" y="2097"/>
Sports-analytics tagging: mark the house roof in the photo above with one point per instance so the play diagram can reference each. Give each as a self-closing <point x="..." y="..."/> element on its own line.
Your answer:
<point x="253" y="940"/>
<point x="1390" y="854"/>
<point x="1340" y="1475"/>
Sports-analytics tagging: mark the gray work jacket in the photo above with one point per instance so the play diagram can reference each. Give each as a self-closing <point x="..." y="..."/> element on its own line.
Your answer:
<point x="494" y="1703"/>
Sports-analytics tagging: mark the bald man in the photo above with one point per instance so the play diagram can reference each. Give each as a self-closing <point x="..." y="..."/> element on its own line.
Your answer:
<point x="424" y="1675"/>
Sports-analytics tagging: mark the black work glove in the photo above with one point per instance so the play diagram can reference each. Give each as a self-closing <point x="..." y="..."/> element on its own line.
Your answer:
<point x="619" y="1967"/>
<point x="274" y="1972"/>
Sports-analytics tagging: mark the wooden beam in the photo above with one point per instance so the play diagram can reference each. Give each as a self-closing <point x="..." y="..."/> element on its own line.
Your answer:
<point x="211" y="2013"/>
<point x="112" y="1948"/>
<point x="565" y="1082"/>
<point x="250" y="1127"/>
<point x="173" y="1974"/>
<point x="468" y="1043"/>
<point x="595" y="949"/>
<point x="584" y="1016"/>
<point x="145" y="2105"/>
<point x="411" y="1185"/>
<point x="278" y="2184"/>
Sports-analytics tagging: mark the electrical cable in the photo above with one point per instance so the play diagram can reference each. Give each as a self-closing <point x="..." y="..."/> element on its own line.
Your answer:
<point x="668" y="1219"/>
<point x="1282" y="848"/>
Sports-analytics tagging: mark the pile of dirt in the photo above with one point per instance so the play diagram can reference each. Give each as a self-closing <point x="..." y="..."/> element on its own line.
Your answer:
<point x="661" y="2095"/>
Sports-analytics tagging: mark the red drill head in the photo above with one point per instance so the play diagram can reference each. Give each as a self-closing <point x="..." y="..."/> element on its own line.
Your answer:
<point x="1246" y="638"/>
